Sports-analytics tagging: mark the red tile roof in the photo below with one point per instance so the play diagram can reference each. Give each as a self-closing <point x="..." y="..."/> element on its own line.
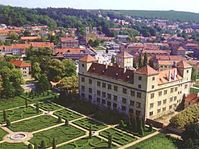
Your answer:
<point x="181" y="49"/>
<point x="66" y="39"/>
<point x="30" y="38"/>
<point x="192" y="99"/>
<point x="146" y="70"/>
<point x="124" y="54"/>
<point x="88" y="58"/>
<point x="20" y="63"/>
<point x="112" y="72"/>
<point x="69" y="50"/>
<point x="42" y="44"/>
<point x="183" y="64"/>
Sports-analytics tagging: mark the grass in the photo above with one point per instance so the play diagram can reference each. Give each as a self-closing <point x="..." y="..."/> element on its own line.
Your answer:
<point x="194" y="90"/>
<point x="2" y="134"/>
<point x="19" y="113"/>
<point x="157" y="142"/>
<point x="49" y="106"/>
<point x="117" y="136"/>
<point x="11" y="103"/>
<point x="12" y="146"/>
<point x="34" y="124"/>
<point x="66" y="114"/>
<point x="87" y="143"/>
<point x="86" y="123"/>
<point x="61" y="134"/>
<point x="130" y="130"/>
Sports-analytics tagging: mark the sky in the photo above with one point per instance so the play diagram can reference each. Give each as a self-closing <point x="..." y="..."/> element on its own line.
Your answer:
<point x="180" y="5"/>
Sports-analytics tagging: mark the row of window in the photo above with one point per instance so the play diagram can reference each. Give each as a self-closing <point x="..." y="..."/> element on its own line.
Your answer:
<point x="163" y="109"/>
<point x="159" y="103"/>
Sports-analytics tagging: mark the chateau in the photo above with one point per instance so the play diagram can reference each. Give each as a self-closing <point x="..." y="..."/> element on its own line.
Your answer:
<point x="144" y="92"/>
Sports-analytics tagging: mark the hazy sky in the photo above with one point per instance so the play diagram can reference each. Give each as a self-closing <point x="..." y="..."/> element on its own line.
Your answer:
<point x="182" y="5"/>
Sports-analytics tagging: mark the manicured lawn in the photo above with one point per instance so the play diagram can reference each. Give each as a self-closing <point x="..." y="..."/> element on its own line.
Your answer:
<point x="130" y="130"/>
<point x="86" y="123"/>
<point x="2" y="134"/>
<point x="34" y="124"/>
<point x="194" y="90"/>
<point x="19" y="113"/>
<point x="49" y="106"/>
<point x="117" y="136"/>
<point x="61" y="134"/>
<point x="86" y="143"/>
<point x="11" y="103"/>
<point x="66" y="114"/>
<point x="157" y="142"/>
<point x="12" y="146"/>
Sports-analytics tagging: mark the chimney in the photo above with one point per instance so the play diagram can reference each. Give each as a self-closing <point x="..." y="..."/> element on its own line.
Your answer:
<point x="169" y="76"/>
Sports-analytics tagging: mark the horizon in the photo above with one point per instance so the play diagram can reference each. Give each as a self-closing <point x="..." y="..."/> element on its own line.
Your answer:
<point x="169" y="5"/>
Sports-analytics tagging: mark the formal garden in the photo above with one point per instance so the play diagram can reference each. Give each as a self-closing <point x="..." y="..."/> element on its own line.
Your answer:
<point x="49" y="124"/>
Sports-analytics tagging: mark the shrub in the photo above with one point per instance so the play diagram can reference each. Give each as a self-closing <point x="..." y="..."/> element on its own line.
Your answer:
<point x="188" y="116"/>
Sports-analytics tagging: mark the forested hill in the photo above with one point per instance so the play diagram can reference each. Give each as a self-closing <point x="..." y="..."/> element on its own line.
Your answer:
<point x="170" y="15"/>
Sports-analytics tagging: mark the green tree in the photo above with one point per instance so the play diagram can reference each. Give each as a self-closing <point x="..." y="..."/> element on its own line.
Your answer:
<point x="194" y="73"/>
<point x="4" y="116"/>
<point x="26" y="102"/>
<point x="37" y="107"/>
<point x="59" y="119"/>
<point x="30" y="146"/>
<point x="109" y="141"/>
<point x="90" y="132"/>
<point x="66" y="122"/>
<point x="36" y="70"/>
<point x="54" y="144"/>
<point x="70" y="68"/>
<point x="35" y="146"/>
<point x="43" y="145"/>
<point x="140" y="61"/>
<point x="145" y="59"/>
<point x="8" y="123"/>
<point x="43" y="84"/>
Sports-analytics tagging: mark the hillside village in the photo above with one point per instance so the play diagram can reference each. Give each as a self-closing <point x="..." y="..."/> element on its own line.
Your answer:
<point x="117" y="85"/>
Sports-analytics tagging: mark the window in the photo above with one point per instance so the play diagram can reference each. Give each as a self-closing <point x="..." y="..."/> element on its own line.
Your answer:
<point x="159" y="103"/>
<point x="115" y="98"/>
<point x="98" y="93"/>
<point x="83" y="88"/>
<point x="164" y="101"/>
<point x="175" y="98"/>
<point x="137" y="112"/>
<point x="160" y="93"/>
<point x="109" y="86"/>
<point x="103" y="101"/>
<point x="104" y="85"/>
<point x="132" y="103"/>
<point x="114" y="105"/>
<point x="90" y="90"/>
<point x="83" y="95"/>
<point x="171" y="99"/>
<point x="164" y="109"/>
<point x="152" y="86"/>
<point x="83" y="79"/>
<point x="90" y="81"/>
<point x="98" y="83"/>
<point x="140" y="78"/>
<point x="172" y="90"/>
<point x="130" y="110"/>
<point x="123" y="108"/>
<point x="176" y="89"/>
<point x="108" y="104"/>
<point x="151" y="113"/>
<point x="187" y="71"/>
<point x="185" y="86"/>
<point x="170" y="107"/>
<point x="165" y="92"/>
<point x="151" y="105"/>
<point x="82" y="65"/>
<point x="124" y="100"/>
<point x="98" y="100"/>
<point x="90" y="97"/>
<point x="139" y="95"/>
<point x="103" y="94"/>
<point x="153" y="78"/>
<point x="109" y="96"/>
<point x="115" y="88"/>
<point x="133" y="93"/>
<point x="139" y="86"/>
<point x="138" y="105"/>
<point x="152" y="95"/>
<point x="124" y="90"/>
<point x="159" y="110"/>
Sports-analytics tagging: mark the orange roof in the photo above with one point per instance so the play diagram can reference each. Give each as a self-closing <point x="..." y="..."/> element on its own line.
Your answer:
<point x="181" y="49"/>
<point x="146" y="70"/>
<point x="87" y="58"/>
<point x="30" y="38"/>
<point x="69" y="50"/>
<point x="125" y="54"/>
<point x="65" y="39"/>
<point x="192" y="99"/>
<point x="169" y="57"/>
<point x="183" y="64"/>
<point x="169" y="75"/>
<point x="165" y="62"/>
<point x="20" y="63"/>
<point x="42" y="44"/>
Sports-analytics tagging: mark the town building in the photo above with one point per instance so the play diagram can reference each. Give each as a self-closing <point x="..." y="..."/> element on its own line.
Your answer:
<point x="69" y="42"/>
<point x="24" y="67"/>
<point x="144" y="92"/>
